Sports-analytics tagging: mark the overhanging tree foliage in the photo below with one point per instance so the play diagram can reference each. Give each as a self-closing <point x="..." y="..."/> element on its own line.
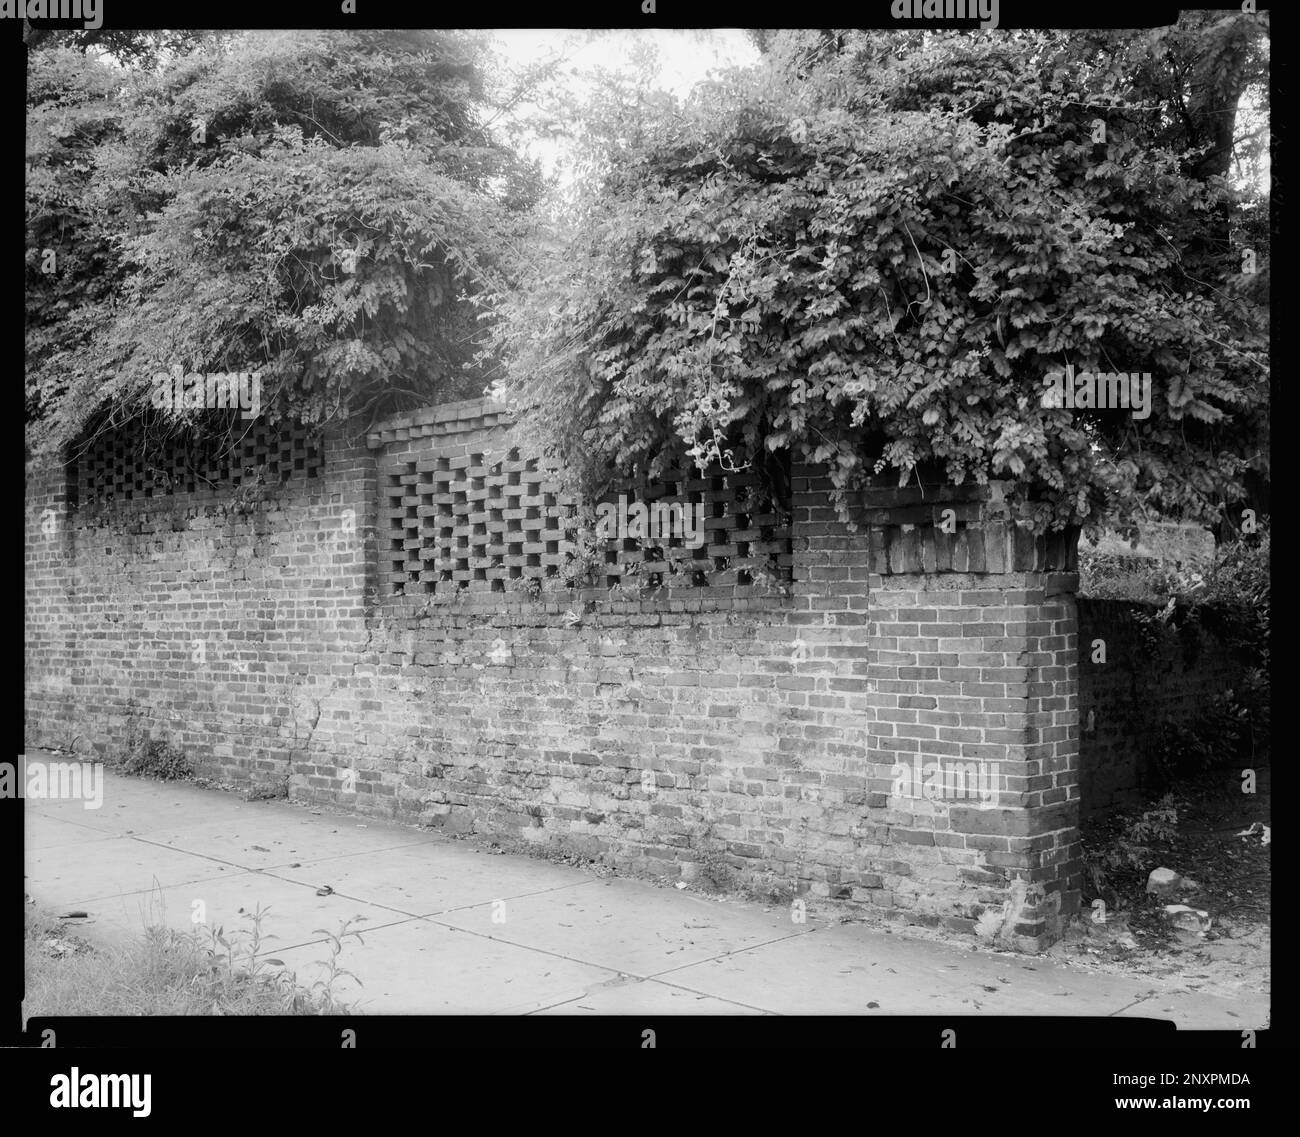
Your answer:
<point x="872" y="253"/>
<point x="314" y="206"/>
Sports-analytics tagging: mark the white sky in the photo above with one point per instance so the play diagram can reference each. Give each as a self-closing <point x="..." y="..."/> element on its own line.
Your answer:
<point x="685" y="57"/>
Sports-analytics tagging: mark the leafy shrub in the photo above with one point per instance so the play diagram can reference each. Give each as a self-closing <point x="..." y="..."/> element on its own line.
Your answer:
<point x="1237" y="595"/>
<point x="714" y="869"/>
<point x="166" y="972"/>
<point x="275" y="790"/>
<point x="1233" y="727"/>
<point x="157" y="759"/>
<point x="1230" y="599"/>
<point x="1114" y="576"/>
<point x="1121" y="848"/>
<point x="237" y="969"/>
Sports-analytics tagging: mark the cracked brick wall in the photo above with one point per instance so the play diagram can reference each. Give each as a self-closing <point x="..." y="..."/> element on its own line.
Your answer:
<point x="884" y="714"/>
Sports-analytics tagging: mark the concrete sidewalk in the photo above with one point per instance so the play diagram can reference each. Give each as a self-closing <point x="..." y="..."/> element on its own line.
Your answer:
<point x="564" y="941"/>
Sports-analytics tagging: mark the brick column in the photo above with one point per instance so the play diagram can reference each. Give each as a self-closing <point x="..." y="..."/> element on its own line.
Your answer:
<point x="974" y="725"/>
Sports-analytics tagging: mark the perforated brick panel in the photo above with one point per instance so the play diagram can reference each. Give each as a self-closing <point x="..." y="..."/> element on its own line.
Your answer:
<point x="467" y="522"/>
<point x="122" y="465"/>
<point x="455" y="521"/>
<point x="741" y="544"/>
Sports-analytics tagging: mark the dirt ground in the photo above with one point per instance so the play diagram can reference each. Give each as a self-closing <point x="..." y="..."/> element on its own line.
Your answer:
<point x="1214" y="845"/>
<point x="1220" y="842"/>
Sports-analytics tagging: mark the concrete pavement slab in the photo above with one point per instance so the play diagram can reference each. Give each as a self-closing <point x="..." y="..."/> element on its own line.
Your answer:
<point x="45" y="831"/>
<point x="646" y="997"/>
<point x="854" y="969"/>
<point x="129" y="804"/>
<point x="264" y="836"/>
<point x="1195" y="1011"/>
<point x="630" y="925"/>
<point x="424" y="880"/>
<point x="422" y="968"/>
<point x="293" y="911"/>
<point x="112" y="867"/>
<point x="565" y="941"/>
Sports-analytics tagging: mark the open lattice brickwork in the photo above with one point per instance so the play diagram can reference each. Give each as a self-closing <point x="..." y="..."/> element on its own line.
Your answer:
<point x="452" y="523"/>
<point x="120" y="465"/>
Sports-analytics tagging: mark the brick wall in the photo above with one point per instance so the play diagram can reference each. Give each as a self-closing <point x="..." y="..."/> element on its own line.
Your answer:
<point x="394" y="631"/>
<point x="206" y="618"/>
<point x="1130" y="686"/>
